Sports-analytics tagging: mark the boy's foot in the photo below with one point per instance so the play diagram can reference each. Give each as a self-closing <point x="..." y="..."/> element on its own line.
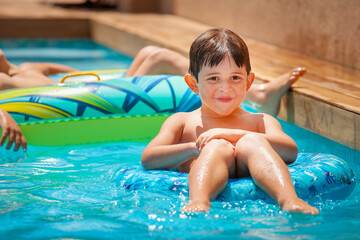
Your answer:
<point x="268" y="95"/>
<point x="197" y="206"/>
<point x="298" y="205"/>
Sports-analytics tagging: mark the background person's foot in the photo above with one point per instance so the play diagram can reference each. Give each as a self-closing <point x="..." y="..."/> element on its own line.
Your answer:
<point x="269" y="94"/>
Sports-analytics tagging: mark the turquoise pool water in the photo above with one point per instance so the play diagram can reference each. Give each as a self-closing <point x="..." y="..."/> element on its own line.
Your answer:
<point x="81" y="54"/>
<point x="70" y="192"/>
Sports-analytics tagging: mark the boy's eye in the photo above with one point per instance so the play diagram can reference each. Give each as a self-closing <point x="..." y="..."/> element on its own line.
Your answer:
<point x="236" y="78"/>
<point x="213" y="78"/>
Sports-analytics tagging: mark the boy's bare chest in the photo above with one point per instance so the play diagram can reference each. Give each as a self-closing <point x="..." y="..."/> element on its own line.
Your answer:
<point x="195" y="127"/>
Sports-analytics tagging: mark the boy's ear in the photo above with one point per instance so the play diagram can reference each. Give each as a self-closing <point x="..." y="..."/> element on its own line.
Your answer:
<point x="191" y="82"/>
<point x="250" y="80"/>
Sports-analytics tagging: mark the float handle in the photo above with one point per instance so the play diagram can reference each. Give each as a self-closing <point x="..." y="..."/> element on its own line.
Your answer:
<point x="79" y="74"/>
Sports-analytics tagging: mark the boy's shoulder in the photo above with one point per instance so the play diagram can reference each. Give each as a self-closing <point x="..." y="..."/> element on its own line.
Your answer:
<point x="178" y="121"/>
<point x="261" y="118"/>
<point x="186" y="114"/>
<point x="181" y="116"/>
<point x="258" y="115"/>
<point x="264" y="122"/>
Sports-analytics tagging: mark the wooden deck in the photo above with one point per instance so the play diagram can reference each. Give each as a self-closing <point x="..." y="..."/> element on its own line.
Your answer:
<point x="326" y="100"/>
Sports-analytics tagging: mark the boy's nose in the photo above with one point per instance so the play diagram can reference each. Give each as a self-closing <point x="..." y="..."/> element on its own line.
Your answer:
<point x="224" y="86"/>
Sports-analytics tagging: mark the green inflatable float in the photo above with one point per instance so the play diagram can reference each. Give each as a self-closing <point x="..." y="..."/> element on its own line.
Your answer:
<point x="118" y="109"/>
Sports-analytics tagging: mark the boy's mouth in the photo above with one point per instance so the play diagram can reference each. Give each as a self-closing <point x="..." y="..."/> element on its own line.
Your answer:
<point x="224" y="99"/>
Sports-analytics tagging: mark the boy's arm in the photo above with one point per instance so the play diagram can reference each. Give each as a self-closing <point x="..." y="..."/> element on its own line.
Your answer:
<point x="268" y="126"/>
<point x="283" y="144"/>
<point x="165" y="151"/>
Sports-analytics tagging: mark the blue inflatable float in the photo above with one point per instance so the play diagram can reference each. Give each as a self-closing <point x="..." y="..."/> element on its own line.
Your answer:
<point x="313" y="175"/>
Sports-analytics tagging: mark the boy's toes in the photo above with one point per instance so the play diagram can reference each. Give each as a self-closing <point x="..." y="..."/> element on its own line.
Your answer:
<point x="313" y="211"/>
<point x="300" y="206"/>
<point x="197" y="206"/>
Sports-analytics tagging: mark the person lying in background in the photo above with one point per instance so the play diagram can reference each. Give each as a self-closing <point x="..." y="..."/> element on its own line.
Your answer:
<point x="28" y="74"/>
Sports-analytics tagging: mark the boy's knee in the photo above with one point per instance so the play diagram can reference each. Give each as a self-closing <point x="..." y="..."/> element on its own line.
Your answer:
<point x="249" y="142"/>
<point x="250" y="138"/>
<point x="222" y="152"/>
<point x="220" y="146"/>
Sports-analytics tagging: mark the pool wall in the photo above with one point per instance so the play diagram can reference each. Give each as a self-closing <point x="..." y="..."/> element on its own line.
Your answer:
<point x="45" y="28"/>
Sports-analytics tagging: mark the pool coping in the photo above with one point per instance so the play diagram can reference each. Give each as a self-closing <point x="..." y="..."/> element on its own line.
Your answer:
<point x="308" y="105"/>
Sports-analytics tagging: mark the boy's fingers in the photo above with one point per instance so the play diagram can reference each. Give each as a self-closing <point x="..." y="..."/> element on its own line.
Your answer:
<point x="198" y="144"/>
<point x="208" y="139"/>
<point x="201" y="142"/>
<point x="198" y="140"/>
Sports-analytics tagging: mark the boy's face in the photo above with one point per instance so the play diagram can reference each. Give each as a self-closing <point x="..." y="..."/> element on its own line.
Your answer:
<point x="222" y="88"/>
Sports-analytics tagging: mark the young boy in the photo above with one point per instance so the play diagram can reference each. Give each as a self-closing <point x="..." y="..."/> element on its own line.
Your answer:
<point x="220" y="140"/>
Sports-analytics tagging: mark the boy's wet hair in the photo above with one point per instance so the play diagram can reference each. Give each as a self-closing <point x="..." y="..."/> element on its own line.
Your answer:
<point x="212" y="46"/>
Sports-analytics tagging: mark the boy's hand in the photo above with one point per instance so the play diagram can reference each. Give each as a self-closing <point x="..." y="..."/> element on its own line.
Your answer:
<point x="229" y="135"/>
<point x="11" y="129"/>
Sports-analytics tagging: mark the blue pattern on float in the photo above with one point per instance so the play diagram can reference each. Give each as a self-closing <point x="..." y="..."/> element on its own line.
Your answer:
<point x="312" y="174"/>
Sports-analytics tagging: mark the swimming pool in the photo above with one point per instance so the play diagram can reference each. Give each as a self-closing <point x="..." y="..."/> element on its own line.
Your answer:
<point x="81" y="54"/>
<point x="71" y="192"/>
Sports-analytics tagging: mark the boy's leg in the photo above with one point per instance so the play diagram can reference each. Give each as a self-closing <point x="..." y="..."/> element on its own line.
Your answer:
<point x="209" y="174"/>
<point x="155" y="60"/>
<point x="267" y="96"/>
<point x="255" y="156"/>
